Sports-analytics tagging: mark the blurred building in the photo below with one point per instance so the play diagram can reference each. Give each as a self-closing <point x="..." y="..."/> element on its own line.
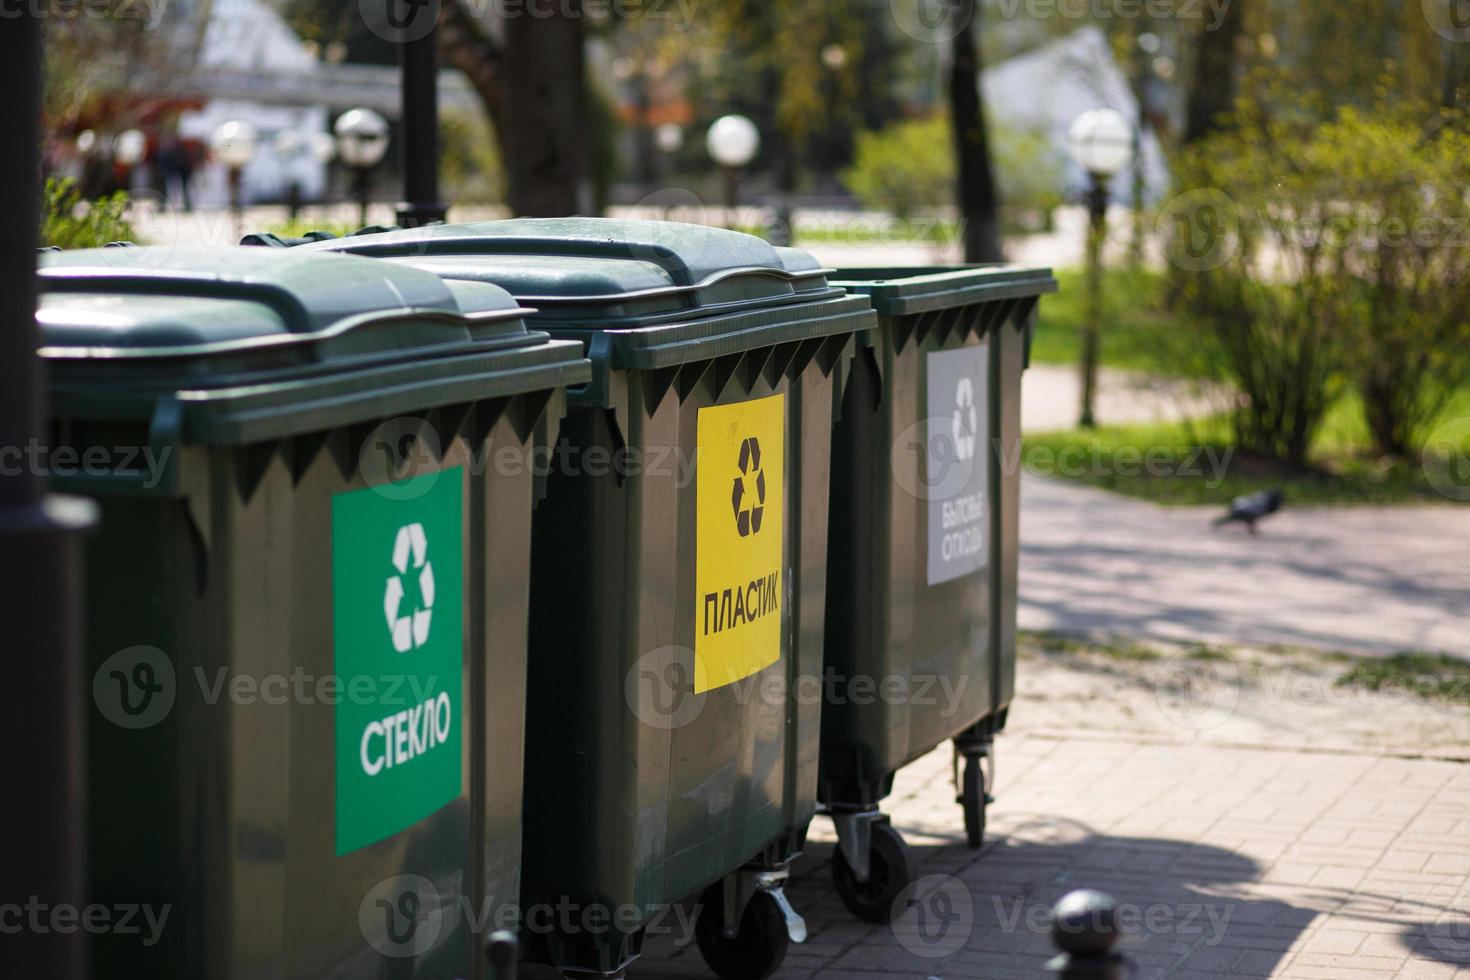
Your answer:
<point x="1046" y="88"/>
<point x="240" y="60"/>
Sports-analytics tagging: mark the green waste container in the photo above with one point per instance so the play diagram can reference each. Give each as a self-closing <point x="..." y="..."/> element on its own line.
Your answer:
<point x="921" y="610"/>
<point x="678" y="595"/>
<point x="306" y="603"/>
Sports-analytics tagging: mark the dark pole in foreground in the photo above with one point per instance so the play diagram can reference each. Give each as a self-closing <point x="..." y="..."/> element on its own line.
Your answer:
<point x="40" y="821"/>
<point x="418" y="58"/>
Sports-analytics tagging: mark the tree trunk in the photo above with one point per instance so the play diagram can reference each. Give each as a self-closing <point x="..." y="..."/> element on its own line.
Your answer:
<point x="533" y="84"/>
<point x="1456" y="90"/>
<point x="543" y="116"/>
<point x="976" y="192"/>
<point x="1212" y="89"/>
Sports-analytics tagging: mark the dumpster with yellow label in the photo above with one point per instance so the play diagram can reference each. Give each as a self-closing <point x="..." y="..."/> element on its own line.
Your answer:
<point x="679" y="576"/>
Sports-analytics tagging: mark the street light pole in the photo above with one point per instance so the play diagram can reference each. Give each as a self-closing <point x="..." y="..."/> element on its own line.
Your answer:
<point x="362" y="140"/>
<point x="732" y="142"/>
<point x="1102" y="141"/>
<point x="419" y="111"/>
<point x="1097" y="232"/>
<point x="39" y="538"/>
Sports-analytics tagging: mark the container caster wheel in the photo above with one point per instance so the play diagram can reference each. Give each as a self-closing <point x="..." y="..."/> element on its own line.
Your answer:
<point x="758" y="947"/>
<point x="974" y="800"/>
<point x="889" y="874"/>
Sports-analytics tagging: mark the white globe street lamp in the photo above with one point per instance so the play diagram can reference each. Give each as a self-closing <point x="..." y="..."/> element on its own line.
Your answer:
<point x="669" y="137"/>
<point x="233" y="144"/>
<point x="130" y="147"/>
<point x="1102" y="142"/>
<point x="362" y="138"/>
<point x="732" y="142"/>
<point x="362" y="141"/>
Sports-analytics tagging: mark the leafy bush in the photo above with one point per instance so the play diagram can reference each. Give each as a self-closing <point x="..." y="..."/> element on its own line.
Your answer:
<point x="1405" y="239"/>
<point x="905" y="168"/>
<point x="1030" y="176"/>
<point x="909" y="168"/>
<point x="1322" y="256"/>
<point x="469" y="161"/>
<point x="68" y="222"/>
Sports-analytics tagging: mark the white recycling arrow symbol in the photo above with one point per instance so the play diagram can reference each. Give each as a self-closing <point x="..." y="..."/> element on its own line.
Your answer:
<point x="964" y="423"/>
<point x="410" y="551"/>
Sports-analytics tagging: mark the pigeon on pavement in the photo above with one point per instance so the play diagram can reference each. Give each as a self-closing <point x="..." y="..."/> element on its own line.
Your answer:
<point x="1250" y="508"/>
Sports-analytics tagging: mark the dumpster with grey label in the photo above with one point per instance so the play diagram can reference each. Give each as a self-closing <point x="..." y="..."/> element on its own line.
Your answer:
<point x="921" y="609"/>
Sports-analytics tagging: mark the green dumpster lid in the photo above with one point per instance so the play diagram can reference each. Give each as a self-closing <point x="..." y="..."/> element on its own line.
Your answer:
<point x="897" y="291"/>
<point x="256" y="342"/>
<point x="601" y="272"/>
<point x="189" y="306"/>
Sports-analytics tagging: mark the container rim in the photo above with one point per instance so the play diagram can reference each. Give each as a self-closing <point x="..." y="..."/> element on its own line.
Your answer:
<point x="267" y="341"/>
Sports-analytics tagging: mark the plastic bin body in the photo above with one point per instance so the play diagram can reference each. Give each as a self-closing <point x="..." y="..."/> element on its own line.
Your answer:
<point x="252" y="500"/>
<point x="921" y="649"/>
<point x="641" y="788"/>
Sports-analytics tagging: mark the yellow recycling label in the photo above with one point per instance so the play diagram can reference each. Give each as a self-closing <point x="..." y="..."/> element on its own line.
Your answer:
<point x="740" y="495"/>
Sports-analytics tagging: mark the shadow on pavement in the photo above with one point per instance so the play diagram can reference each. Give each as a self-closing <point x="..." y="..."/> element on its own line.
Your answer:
<point x="1444" y="941"/>
<point x="986" y="913"/>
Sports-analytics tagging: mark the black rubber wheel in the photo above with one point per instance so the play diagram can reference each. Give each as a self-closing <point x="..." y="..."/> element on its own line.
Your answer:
<point x="973" y="799"/>
<point x="757" y="949"/>
<point x="888" y="875"/>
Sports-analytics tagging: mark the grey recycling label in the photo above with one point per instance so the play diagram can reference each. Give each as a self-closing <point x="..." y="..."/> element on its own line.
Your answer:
<point x="958" y="458"/>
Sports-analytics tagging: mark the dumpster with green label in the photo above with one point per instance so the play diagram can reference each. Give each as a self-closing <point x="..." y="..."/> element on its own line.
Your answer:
<point x="306" y="603"/>
<point x="679" y="575"/>
<point x="921" y="608"/>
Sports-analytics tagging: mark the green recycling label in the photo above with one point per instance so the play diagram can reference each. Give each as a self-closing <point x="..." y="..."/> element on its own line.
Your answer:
<point x="397" y="606"/>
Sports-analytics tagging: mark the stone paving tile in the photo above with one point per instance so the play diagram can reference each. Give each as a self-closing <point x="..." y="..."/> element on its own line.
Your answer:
<point x="1234" y="862"/>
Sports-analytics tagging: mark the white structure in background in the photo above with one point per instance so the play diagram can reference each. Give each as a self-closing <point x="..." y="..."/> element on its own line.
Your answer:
<point x="248" y="37"/>
<point x="1046" y="89"/>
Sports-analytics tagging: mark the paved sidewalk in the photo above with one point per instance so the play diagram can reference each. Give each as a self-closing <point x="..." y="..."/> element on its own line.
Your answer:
<point x="1292" y="861"/>
<point x="1051" y="398"/>
<point x="1363" y="579"/>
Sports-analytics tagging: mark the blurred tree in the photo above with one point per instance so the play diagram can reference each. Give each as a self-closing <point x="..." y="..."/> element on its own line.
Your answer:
<point x="527" y="63"/>
<point x="1328" y="252"/>
<point x="339" y="31"/>
<point x="1212" y="87"/>
<point x="979" y="205"/>
<point x="904" y="168"/>
<point x="469" y="164"/>
<point x="90" y="59"/>
<point x="796" y="68"/>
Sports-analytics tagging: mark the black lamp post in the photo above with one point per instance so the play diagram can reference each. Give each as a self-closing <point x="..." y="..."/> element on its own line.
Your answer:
<point x="418" y="58"/>
<point x="1102" y="142"/>
<point x="732" y="142"/>
<point x="362" y="140"/>
<point x="39" y="543"/>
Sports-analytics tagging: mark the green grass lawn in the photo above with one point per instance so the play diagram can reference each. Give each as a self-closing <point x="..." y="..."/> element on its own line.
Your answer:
<point x="892" y="231"/>
<point x="1196" y="462"/>
<point x="1136" y="329"/>
<point x="1434" y="675"/>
